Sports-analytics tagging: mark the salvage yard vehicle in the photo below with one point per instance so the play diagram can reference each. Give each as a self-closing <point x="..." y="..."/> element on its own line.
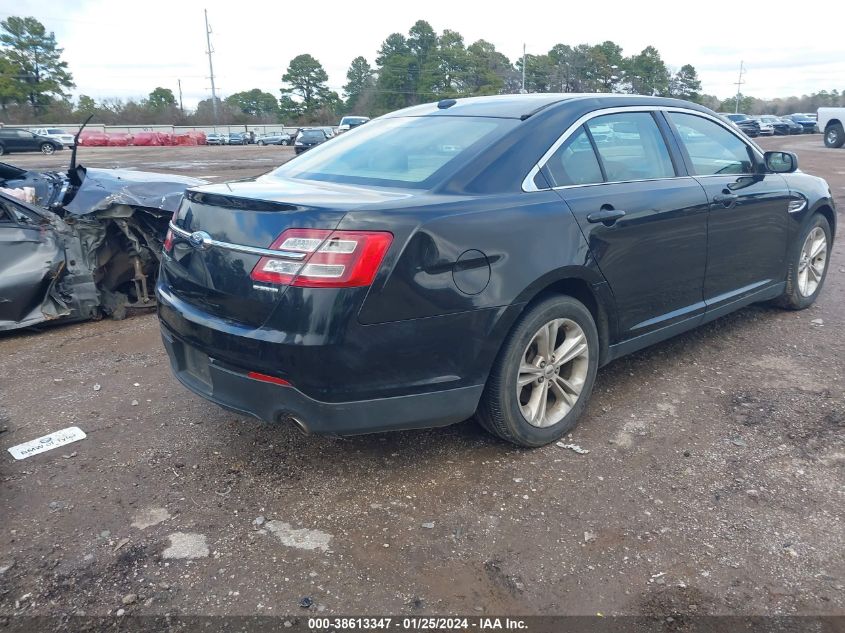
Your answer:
<point x="308" y="137"/>
<point x="14" y="139"/>
<point x="809" y="124"/>
<point x="750" y="126"/>
<point x="81" y="244"/>
<point x="216" y="139"/>
<point x="350" y="122"/>
<point x="480" y="256"/>
<point x="276" y="138"/>
<point x="65" y="138"/>
<point x="831" y="122"/>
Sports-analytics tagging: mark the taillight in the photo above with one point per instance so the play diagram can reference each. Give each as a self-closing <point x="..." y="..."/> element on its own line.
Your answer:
<point x="168" y="240"/>
<point x="334" y="259"/>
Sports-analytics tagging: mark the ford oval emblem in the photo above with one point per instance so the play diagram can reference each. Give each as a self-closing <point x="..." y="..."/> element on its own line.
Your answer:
<point x="200" y="240"/>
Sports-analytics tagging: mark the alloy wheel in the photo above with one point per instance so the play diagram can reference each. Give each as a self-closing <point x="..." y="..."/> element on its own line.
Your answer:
<point x="812" y="262"/>
<point x="552" y="372"/>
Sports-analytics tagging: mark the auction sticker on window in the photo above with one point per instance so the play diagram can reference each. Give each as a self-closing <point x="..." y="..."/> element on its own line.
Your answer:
<point x="48" y="442"/>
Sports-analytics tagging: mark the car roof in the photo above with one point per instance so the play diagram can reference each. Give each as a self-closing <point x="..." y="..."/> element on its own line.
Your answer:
<point x="522" y="106"/>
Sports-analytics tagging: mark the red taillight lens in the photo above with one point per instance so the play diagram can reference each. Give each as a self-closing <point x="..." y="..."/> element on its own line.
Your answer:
<point x="334" y="259"/>
<point x="168" y="241"/>
<point x="265" y="378"/>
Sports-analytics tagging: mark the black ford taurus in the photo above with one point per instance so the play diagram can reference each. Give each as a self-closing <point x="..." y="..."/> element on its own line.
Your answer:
<point x="480" y="257"/>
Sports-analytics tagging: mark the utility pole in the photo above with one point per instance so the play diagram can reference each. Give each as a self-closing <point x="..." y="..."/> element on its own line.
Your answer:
<point x="211" y="68"/>
<point x="739" y="83"/>
<point x="181" y="107"/>
<point x="523" y="69"/>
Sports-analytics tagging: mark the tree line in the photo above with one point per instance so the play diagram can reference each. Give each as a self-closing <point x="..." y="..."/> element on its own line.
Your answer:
<point x="412" y="68"/>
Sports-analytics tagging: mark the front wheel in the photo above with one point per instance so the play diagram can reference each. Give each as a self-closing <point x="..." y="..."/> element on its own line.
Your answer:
<point x="261" y="142"/>
<point x="834" y="136"/>
<point x="2" y="150"/>
<point x="47" y="148"/>
<point x="808" y="265"/>
<point x="285" y="143"/>
<point x="544" y="374"/>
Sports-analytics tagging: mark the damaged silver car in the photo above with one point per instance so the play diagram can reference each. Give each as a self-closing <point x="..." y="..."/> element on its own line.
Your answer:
<point x="81" y="244"/>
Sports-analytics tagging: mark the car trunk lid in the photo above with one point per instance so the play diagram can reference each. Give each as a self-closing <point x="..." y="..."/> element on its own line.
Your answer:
<point x="217" y="278"/>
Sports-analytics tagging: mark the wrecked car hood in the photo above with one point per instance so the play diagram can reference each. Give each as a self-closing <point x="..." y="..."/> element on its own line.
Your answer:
<point x="88" y="250"/>
<point x="104" y="188"/>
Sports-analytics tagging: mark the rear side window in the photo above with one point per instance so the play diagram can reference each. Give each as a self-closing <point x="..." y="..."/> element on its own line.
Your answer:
<point x="711" y="148"/>
<point x="574" y="162"/>
<point x="631" y="147"/>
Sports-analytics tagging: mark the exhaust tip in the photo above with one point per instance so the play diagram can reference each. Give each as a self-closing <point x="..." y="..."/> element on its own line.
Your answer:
<point x="299" y="424"/>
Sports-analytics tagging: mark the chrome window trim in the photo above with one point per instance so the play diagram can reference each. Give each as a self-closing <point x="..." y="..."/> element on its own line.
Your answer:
<point x="529" y="186"/>
<point x="238" y="248"/>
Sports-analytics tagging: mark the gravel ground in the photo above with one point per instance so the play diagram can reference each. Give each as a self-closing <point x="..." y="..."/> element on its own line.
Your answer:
<point x="713" y="483"/>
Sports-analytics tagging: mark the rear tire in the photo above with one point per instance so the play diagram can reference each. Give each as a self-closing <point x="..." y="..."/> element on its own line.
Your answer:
<point x="539" y="387"/>
<point x="809" y="261"/>
<point x="834" y="136"/>
<point x="2" y="150"/>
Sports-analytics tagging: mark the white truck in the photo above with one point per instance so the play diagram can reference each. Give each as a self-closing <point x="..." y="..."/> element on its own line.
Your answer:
<point x="831" y="121"/>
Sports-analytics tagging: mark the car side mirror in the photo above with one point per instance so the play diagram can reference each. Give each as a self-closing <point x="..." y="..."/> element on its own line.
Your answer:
<point x="781" y="162"/>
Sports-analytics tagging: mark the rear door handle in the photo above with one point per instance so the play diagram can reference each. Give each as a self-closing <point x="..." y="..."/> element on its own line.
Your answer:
<point x="727" y="200"/>
<point x="605" y="216"/>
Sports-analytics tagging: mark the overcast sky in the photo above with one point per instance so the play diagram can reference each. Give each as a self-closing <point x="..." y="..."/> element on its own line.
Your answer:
<point x="125" y="49"/>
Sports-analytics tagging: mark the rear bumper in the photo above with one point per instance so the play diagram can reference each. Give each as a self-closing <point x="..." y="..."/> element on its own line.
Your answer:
<point x="232" y="389"/>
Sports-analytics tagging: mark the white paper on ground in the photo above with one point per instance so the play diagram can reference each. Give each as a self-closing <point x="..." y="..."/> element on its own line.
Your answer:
<point x="48" y="442"/>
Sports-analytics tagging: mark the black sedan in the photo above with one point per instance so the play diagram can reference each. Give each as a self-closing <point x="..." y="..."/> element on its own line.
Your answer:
<point x="307" y="138"/>
<point x="782" y="127"/>
<point x="808" y="124"/>
<point x="19" y="140"/>
<point x="750" y="126"/>
<point x="480" y="257"/>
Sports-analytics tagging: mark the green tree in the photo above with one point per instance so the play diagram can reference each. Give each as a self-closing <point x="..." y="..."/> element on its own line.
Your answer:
<point x="685" y="84"/>
<point x="35" y="59"/>
<point x="306" y="78"/>
<point x="254" y="102"/>
<point x="446" y="72"/>
<point x="161" y="99"/>
<point x="86" y="105"/>
<point x="360" y="82"/>
<point x="488" y="70"/>
<point x="647" y="73"/>
<point x="538" y="73"/>
<point x="398" y="74"/>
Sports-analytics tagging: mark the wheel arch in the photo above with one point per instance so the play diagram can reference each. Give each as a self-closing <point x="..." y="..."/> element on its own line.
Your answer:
<point x="832" y="122"/>
<point x="585" y="285"/>
<point x="829" y="214"/>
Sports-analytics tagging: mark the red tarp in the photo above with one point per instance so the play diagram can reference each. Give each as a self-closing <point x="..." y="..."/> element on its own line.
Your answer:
<point x="95" y="139"/>
<point x="152" y="138"/>
<point x="120" y="139"/>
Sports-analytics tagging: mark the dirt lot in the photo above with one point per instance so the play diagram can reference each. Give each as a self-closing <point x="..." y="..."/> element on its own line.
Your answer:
<point x="715" y="481"/>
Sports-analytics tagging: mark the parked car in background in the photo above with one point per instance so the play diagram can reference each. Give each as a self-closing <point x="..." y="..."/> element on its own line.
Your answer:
<point x="277" y="138"/>
<point x="804" y="121"/>
<point x="13" y="139"/>
<point x="309" y="137"/>
<point x="351" y="121"/>
<point x="58" y="134"/>
<point x="794" y="128"/>
<point x="215" y="138"/>
<point x="743" y="122"/>
<point x="237" y="138"/>
<point x="778" y="126"/>
<point x="766" y="127"/>
<point x="483" y="257"/>
<point x="830" y="122"/>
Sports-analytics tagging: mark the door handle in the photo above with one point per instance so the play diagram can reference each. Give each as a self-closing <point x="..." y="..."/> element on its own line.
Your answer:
<point x="607" y="217"/>
<point x="727" y="200"/>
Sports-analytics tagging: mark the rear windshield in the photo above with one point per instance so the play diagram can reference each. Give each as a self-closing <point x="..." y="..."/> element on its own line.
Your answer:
<point x="53" y="131"/>
<point x="312" y="134"/>
<point x="400" y="151"/>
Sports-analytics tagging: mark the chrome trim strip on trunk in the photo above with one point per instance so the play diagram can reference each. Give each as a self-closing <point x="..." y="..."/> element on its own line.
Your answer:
<point x="208" y="242"/>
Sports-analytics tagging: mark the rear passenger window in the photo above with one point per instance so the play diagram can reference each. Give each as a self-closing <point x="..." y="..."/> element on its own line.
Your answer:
<point x="574" y="163"/>
<point x="711" y="148"/>
<point x="631" y="147"/>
